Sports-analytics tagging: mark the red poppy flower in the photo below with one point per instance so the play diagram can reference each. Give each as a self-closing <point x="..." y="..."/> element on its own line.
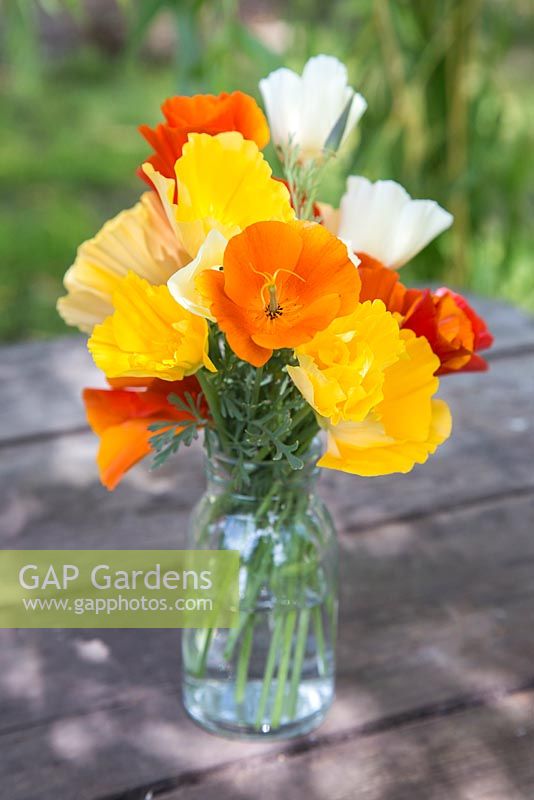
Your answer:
<point x="482" y="337"/>
<point x="451" y="326"/>
<point x="121" y="417"/>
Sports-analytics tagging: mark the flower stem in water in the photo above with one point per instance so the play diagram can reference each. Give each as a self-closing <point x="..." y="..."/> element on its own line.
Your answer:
<point x="256" y="577"/>
<point x="203" y="654"/>
<point x="244" y="659"/>
<point x="283" y="669"/>
<point x="319" y="639"/>
<point x="269" y="669"/>
<point x="298" y="659"/>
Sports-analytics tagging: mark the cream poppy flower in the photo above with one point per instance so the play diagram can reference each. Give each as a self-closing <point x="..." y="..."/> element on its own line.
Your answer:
<point x="382" y="221"/>
<point x="304" y="109"/>
<point x="139" y="239"/>
<point x="182" y="285"/>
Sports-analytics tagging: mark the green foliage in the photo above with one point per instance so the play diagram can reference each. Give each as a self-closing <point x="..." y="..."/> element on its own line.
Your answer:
<point x="168" y="439"/>
<point x="258" y="414"/>
<point x="256" y="417"/>
<point x="304" y="179"/>
<point x="171" y="436"/>
<point x="216" y="51"/>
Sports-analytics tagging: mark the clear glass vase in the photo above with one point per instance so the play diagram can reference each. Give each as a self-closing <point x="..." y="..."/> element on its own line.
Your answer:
<point x="273" y="675"/>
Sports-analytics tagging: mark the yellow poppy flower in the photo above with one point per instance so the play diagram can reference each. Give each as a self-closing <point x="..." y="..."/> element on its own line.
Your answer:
<point x="139" y="239"/>
<point x="400" y="431"/>
<point x="224" y="183"/>
<point x="341" y="371"/>
<point x="149" y="335"/>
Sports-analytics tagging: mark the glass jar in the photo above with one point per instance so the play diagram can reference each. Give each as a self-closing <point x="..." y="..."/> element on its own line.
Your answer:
<point x="273" y="674"/>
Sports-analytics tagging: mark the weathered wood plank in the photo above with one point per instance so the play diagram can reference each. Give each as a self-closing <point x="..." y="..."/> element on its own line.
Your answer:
<point x="50" y="498"/>
<point x="49" y="489"/>
<point x="60" y="368"/>
<point x="87" y="756"/>
<point x="437" y="603"/>
<point x="431" y="610"/>
<point x="40" y="386"/>
<point x="466" y="750"/>
<point x="512" y="327"/>
<point x="482" y="754"/>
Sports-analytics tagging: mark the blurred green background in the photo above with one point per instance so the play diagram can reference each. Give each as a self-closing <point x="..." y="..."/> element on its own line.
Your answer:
<point x="448" y="83"/>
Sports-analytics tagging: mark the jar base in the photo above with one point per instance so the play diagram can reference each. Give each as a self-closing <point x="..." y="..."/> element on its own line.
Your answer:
<point x="212" y="705"/>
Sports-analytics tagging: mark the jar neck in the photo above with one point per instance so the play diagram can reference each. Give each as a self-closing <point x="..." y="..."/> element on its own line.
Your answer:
<point x="255" y="480"/>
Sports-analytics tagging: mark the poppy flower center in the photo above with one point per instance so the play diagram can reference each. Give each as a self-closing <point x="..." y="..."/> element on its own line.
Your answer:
<point x="273" y="309"/>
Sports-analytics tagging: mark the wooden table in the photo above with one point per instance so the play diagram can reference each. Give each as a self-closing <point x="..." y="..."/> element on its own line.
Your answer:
<point x="436" y="653"/>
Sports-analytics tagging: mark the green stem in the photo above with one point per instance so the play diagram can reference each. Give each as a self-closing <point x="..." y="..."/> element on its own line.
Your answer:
<point x="283" y="669"/>
<point x="213" y="346"/>
<point x="319" y="640"/>
<point x="257" y="385"/>
<point x="291" y="618"/>
<point x="213" y="404"/>
<point x="277" y="485"/>
<point x="332" y="616"/>
<point x="301" y="415"/>
<point x="203" y="655"/>
<point x="269" y="670"/>
<point x="256" y="578"/>
<point x="306" y="437"/>
<point x="244" y="659"/>
<point x="298" y="660"/>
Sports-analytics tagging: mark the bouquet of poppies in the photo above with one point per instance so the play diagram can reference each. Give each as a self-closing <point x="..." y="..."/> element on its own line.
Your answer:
<point x="232" y="301"/>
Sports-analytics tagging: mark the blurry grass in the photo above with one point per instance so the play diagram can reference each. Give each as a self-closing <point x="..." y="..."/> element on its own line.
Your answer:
<point x="69" y="145"/>
<point x="68" y="153"/>
<point x="450" y="116"/>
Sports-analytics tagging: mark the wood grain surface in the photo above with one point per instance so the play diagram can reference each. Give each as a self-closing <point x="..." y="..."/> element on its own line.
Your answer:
<point x="436" y="653"/>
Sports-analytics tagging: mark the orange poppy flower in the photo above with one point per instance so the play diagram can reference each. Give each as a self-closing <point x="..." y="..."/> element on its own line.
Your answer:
<point x="202" y="113"/>
<point x="453" y="329"/>
<point x="121" y="418"/>
<point x="381" y="283"/>
<point x="281" y="283"/>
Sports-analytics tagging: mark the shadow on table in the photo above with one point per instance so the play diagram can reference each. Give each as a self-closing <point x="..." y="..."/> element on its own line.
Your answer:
<point x="435" y="626"/>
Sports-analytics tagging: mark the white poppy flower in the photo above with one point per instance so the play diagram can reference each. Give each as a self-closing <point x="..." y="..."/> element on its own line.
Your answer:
<point x="381" y="220"/>
<point x="181" y="284"/>
<point x="304" y="109"/>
